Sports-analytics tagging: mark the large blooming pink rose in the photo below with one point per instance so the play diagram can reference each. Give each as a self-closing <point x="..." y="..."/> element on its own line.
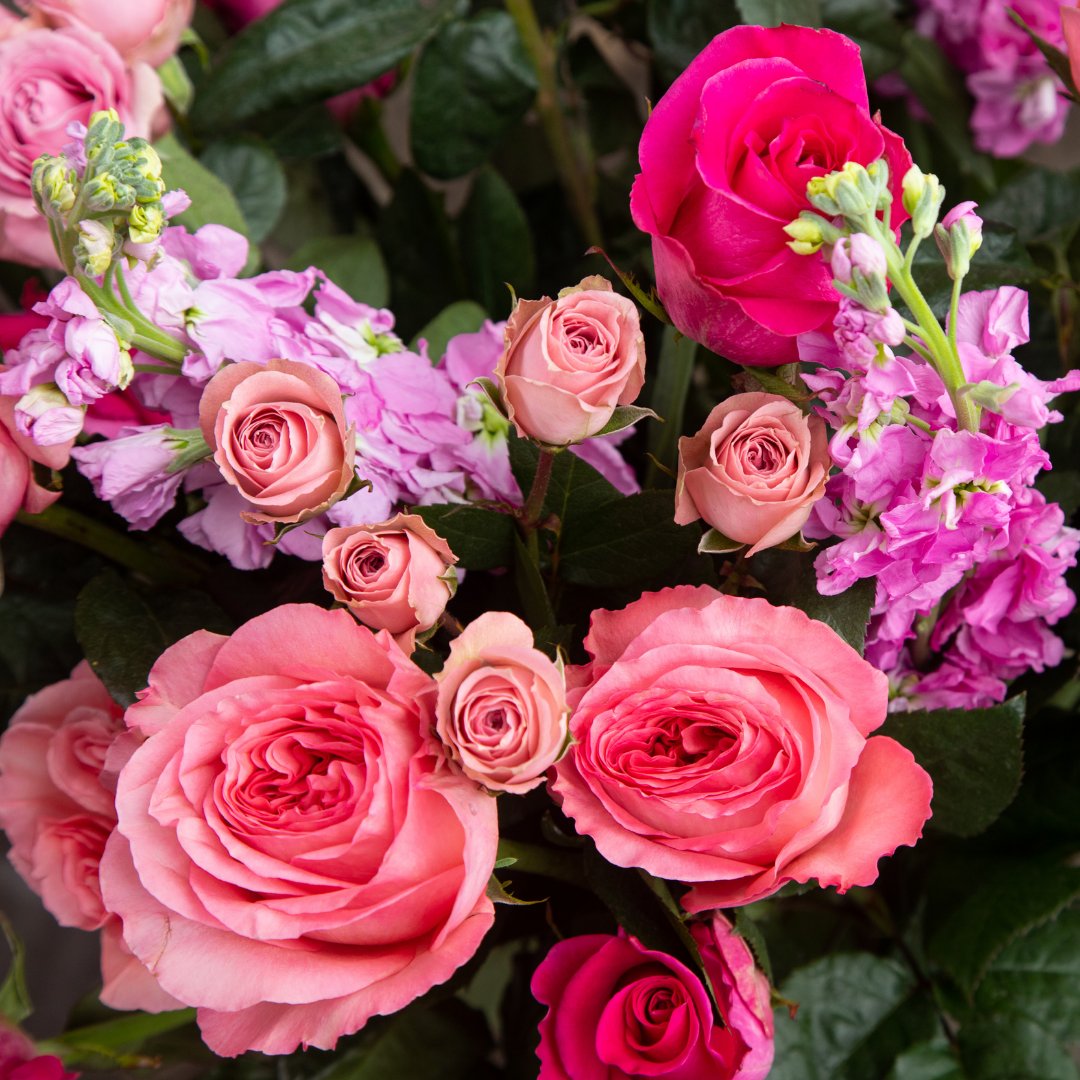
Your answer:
<point x="725" y="159"/>
<point x="290" y="857"/>
<point x="48" y="78"/>
<point x="619" y="1010"/>
<point x="723" y="742"/>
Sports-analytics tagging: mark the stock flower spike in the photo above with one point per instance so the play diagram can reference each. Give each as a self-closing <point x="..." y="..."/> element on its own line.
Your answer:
<point x="672" y="676"/>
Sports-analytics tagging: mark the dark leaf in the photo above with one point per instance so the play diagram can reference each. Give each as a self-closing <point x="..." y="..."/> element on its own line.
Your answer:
<point x="353" y="263"/>
<point x="463" y="317"/>
<point x="775" y="12"/>
<point x="481" y="539"/>
<point x="252" y="172"/>
<point x="680" y="29"/>
<point x="992" y="1048"/>
<point x="211" y="198"/>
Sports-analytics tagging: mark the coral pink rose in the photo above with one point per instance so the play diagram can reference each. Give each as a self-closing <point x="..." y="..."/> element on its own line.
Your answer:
<point x="754" y="470"/>
<point x="19" y="490"/>
<point x="146" y="30"/>
<point x="291" y="857"/>
<point x="54" y="807"/>
<point x="502" y="705"/>
<point x="725" y="158"/>
<point x="569" y="362"/>
<point x="617" y="1009"/>
<point x="1070" y="28"/>
<point x="397" y="575"/>
<point x="722" y="741"/>
<point x="279" y="437"/>
<point x="48" y="78"/>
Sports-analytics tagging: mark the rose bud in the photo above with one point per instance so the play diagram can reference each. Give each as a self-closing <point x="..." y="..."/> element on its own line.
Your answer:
<point x="394" y="576"/>
<point x="569" y="362"/>
<point x="279" y="437"/>
<point x="501" y="710"/>
<point x="754" y="470"/>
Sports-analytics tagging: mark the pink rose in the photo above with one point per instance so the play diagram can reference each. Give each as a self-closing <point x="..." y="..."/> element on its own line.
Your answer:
<point x="725" y="159"/>
<point x="139" y="30"/>
<point x="754" y="470"/>
<point x="722" y="741"/>
<point x="279" y="437"/>
<point x="18" y="453"/>
<point x="394" y="576"/>
<point x="54" y="807"/>
<point x="617" y="1009"/>
<point x="502" y="705"/>
<point x="291" y="857"/>
<point x="1070" y="29"/>
<point x="238" y="13"/>
<point x="48" y="78"/>
<point x="569" y="362"/>
<point x="19" y="1059"/>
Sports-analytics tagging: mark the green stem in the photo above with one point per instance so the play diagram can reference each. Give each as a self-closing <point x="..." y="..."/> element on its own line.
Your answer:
<point x="534" y="504"/>
<point x="954" y="310"/>
<point x="554" y="120"/>
<point x="544" y="861"/>
<point x="163" y="564"/>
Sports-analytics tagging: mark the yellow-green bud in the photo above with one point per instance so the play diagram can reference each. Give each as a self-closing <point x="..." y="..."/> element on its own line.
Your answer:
<point x="145" y="223"/>
<point x="53" y="184"/>
<point x="94" y="249"/>
<point x="150" y="165"/>
<point x="922" y="198"/>
<point x="101" y="115"/>
<point x="127" y="369"/>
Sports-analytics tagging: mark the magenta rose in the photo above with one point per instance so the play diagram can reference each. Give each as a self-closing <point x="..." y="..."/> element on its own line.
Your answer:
<point x="292" y="857"/>
<point x="54" y="806"/>
<point x="725" y="158"/>
<point x="397" y="575"/>
<point x="568" y="363"/>
<point x="146" y="30"/>
<point x="724" y="742"/>
<point x="279" y="437"/>
<point x="618" y="1010"/>
<point x="502" y="705"/>
<point x="48" y="78"/>
<point x="754" y="470"/>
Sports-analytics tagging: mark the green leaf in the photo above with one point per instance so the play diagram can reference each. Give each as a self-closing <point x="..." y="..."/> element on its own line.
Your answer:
<point x="973" y="756"/>
<point x="991" y="1049"/>
<point x="307" y="50"/>
<point x="473" y="82"/>
<point x="714" y="542"/>
<point x="101" y="1044"/>
<point x="353" y="263"/>
<point x="462" y="317"/>
<point x="252" y="172"/>
<point x="1042" y="206"/>
<point x="775" y="12"/>
<point x="857" y="1012"/>
<point x="628" y="542"/>
<point x="15" y="1003"/>
<point x="122" y="634"/>
<point x="211" y="199"/>
<point x="625" y="416"/>
<point x="497" y="893"/>
<point x="931" y="1060"/>
<point x="680" y="29"/>
<point x="790" y="579"/>
<point x="575" y="490"/>
<point x="873" y="26"/>
<point x="674" y="369"/>
<point x="531" y="587"/>
<point x="496" y="244"/>
<point x="481" y="539"/>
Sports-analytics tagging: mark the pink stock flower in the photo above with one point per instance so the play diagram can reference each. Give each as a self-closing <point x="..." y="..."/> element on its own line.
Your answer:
<point x="617" y="1009"/>
<point x="725" y="159"/>
<point x="754" y="470"/>
<point x="49" y="78"/>
<point x="287" y="817"/>
<point x="501" y="710"/>
<point x="396" y="575"/>
<point x="279" y="437"/>
<point x="569" y="362"/>
<point x="724" y="742"/>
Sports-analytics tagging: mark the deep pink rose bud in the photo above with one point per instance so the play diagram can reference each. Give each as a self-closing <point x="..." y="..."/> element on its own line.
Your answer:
<point x="616" y="1008"/>
<point x="754" y="471"/>
<point x="569" y="362"/>
<point x="502" y="705"/>
<point x="397" y="575"/>
<point x="279" y="437"/>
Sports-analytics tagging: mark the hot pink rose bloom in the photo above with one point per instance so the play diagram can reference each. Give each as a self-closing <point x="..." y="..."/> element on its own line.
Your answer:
<point x="725" y="159"/>
<point x="54" y="807"/>
<point x="291" y="857"/>
<point x="569" y="362"/>
<point x="48" y="78"/>
<point x="238" y="13"/>
<point x="279" y="437"/>
<point x="754" y="470"/>
<point x="502" y="705"/>
<point x="394" y="576"/>
<point x="146" y="30"/>
<point x="19" y="1059"/>
<point x="619" y="1010"/>
<point x="722" y="741"/>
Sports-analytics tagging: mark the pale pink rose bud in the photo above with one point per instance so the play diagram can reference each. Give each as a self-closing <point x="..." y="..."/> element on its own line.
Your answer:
<point x="754" y="471"/>
<point x="569" y="362"/>
<point x="279" y="437"/>
<point x="857" y="252"/>
<point x="397" y="575"/>
<point x="501" y="710"/>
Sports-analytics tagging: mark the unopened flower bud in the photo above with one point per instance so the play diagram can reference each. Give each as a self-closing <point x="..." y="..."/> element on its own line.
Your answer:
<point x="878" y="171"/>
<point x="95" y="246"/>
<point x="104" y="130"/>
<point x="806" y="234"/>
<point x="850" y="190"/>
<point x="53" y="184"/>
<point x="958" y="237"/>
<point x="105" y="193"/>
<point x="45" y="415"/>
<point x="922" y="197"/>
<point x="145" y="223"/>
<point x="859" y="252"/>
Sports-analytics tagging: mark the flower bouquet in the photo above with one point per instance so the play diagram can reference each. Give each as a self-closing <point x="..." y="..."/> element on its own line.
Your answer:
<point x="537" y="542"/>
